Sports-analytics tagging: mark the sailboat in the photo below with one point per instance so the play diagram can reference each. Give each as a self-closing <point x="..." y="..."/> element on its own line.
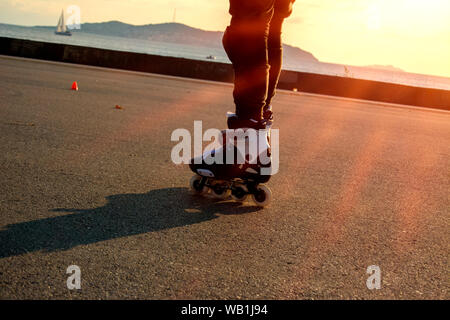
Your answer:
<point x="61" y="28"/>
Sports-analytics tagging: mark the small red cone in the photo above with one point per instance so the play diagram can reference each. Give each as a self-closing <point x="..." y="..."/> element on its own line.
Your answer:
<point x="119" y="107"/>
<point x="75" y="86"/>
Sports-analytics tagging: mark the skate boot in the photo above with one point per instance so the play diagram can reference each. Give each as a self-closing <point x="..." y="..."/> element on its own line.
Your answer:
<point x="240" y="166"/>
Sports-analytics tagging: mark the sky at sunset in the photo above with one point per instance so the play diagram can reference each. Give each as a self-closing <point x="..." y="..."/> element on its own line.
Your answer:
<point x="413" y="35"/>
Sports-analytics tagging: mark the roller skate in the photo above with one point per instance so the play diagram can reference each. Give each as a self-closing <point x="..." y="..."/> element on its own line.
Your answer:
<point x="248" y="171"/>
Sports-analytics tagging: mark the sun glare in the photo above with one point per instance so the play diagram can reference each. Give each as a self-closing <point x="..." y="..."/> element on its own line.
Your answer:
<point x="417" y="17"/>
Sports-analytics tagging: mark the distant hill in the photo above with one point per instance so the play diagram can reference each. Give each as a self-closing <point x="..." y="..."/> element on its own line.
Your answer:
<point x="165" y="32"/>
<point x="386" y="68"/>
<point x="174" y="33"/>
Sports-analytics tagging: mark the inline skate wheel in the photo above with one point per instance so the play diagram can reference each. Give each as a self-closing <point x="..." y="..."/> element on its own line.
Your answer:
<point x="240" y="193"/>
<point x="196" y="186"/>
<point x="262" y="196"/>
<point x="220" y="190"/>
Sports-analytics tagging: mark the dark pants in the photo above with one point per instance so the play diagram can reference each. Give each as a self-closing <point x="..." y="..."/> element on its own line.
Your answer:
<point x="253" y="44"/>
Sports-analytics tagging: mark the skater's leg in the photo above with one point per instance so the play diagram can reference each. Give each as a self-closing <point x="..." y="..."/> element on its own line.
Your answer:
<point x="282" y="10"/>
<point x="275" y="55"/>
<point x="245" y="42"/>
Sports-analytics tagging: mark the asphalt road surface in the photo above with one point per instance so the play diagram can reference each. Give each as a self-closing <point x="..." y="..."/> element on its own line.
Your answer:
<point x="86" y="184"/>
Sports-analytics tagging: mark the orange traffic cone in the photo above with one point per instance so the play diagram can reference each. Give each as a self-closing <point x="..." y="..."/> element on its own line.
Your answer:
<point x="75" y="86"/>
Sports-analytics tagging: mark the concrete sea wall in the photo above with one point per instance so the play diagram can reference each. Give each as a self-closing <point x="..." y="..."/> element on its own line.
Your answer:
<point x="209" y="70"/>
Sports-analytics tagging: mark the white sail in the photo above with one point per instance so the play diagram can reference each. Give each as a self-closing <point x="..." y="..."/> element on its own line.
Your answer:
<point x="63" y="22"/>
<point x="58" y="27"/>
<point x="61" y="27"/>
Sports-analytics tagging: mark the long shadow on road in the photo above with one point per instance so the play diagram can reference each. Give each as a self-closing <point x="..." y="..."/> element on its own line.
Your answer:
<point x="123" y="215"/>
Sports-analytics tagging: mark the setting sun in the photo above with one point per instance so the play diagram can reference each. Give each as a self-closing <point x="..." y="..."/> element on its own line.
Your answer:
<point x="374" y="18"/>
